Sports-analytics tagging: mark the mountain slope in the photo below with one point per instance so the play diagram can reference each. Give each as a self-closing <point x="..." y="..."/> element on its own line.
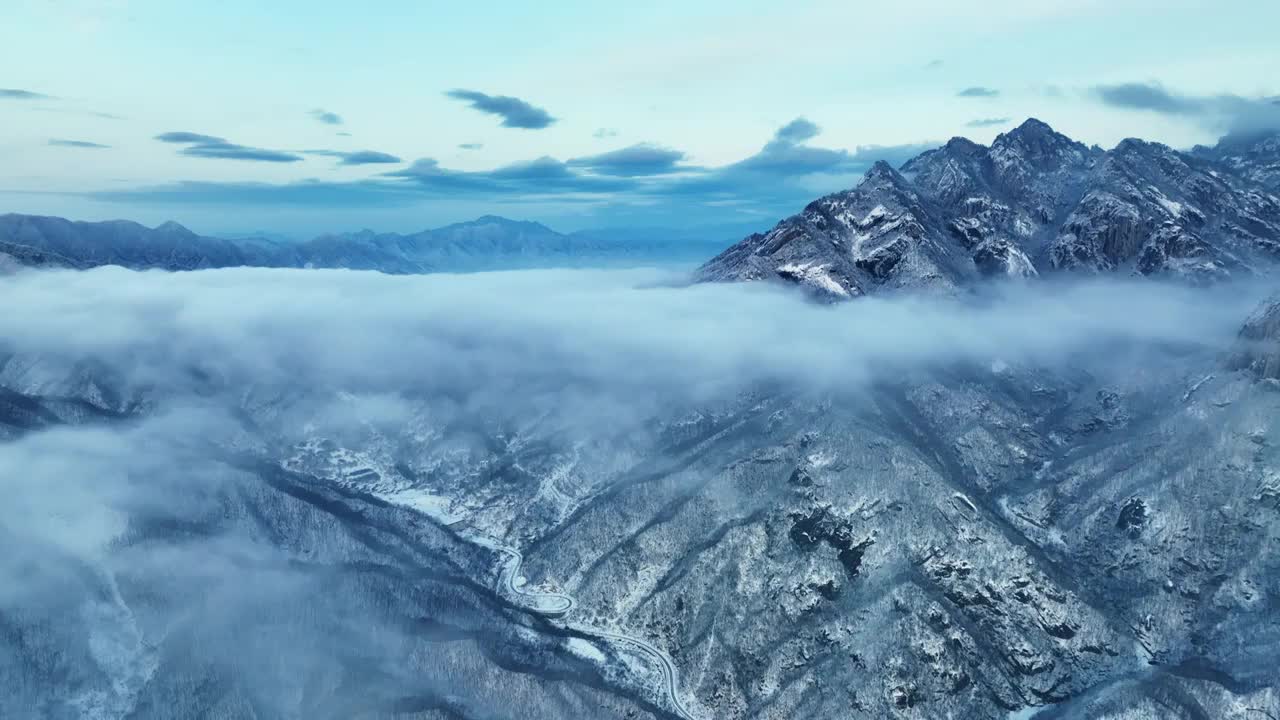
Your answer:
<point x="1033" y="202"/>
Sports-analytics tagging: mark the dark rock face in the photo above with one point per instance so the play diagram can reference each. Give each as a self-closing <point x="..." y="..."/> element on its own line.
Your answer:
<point x="1034" y="202"/>
<point x="1133" y="517"/>
<point x="819" y="526"/>
<point x="1258" y="349"/>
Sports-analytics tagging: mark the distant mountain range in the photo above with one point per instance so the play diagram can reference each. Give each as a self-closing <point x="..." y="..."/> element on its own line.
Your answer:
<point x="488" y="242"/>
<point x="1033" y="202"/>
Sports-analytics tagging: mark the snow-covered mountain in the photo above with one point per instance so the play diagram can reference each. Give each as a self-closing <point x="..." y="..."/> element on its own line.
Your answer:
<point x="52" y="241"/>
<point x="225" y="518"/>
<point x="490" y="496"/>
<point x="1034" y="202"/>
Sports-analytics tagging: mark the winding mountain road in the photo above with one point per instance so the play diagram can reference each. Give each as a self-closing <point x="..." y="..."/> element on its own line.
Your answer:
<point x="550" y="604"/>
<point x="664" y="661"/>
<point x="557" y="605"/>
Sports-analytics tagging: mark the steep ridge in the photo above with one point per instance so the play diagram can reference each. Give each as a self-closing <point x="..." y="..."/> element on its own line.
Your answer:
<point x="847" y="244"/>
<point x="1258" y="349"/>
<point x="1033" y="202"/>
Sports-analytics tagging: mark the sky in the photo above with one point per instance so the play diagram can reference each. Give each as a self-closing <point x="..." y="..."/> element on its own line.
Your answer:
<point x="298" y="118"/>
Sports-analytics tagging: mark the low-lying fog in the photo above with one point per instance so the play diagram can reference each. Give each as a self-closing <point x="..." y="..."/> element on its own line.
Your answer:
<point x="596" y="350"/>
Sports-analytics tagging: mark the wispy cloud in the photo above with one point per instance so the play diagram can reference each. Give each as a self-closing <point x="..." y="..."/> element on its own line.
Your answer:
<point x="358" y="157"/>
<point x="59" y="142"/>
<point x="978" y="92"/>
<point x="17" y="94"/>
<point x="988" y="122"/>
<point x="300" y="194"/>
<point x="182" y="138"/>
<point x="544" y="176"/>
<point x="326" y="117"/>
<point x="216" y="148"/>
<point x="229" y="151"/>
<point x="76" y="111"/>
<point x="515" y="113"/>
<point x="369" y="157"/>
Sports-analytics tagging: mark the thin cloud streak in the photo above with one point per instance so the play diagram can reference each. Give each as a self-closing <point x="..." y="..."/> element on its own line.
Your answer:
<point x="212" y="147"/>
<point x="85" y="144"/>
<point x="19" y="94"/>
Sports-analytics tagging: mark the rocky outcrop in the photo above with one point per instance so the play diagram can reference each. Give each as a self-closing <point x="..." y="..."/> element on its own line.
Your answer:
<point x="1258" y="348"/>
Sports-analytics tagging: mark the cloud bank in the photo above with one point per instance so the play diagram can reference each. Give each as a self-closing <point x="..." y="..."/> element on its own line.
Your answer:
<point x="1225" y="112"/>
<point x="503" y="335"/>
<point x="145" y="556"/>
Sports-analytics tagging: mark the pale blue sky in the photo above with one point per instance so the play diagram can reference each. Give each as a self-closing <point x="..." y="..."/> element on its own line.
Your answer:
<point x="701" y="85"/>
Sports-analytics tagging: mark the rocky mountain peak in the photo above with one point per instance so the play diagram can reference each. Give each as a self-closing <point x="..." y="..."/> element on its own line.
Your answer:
<point x="883" y="173"/>
<point x="500" y="222"/>
<point x="172" y="228"/>
<point x="1037" y="143"/>
<point x="1035" y="200"/>
<point x="964" y="147"/>
<point x="1137" y="146"/>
